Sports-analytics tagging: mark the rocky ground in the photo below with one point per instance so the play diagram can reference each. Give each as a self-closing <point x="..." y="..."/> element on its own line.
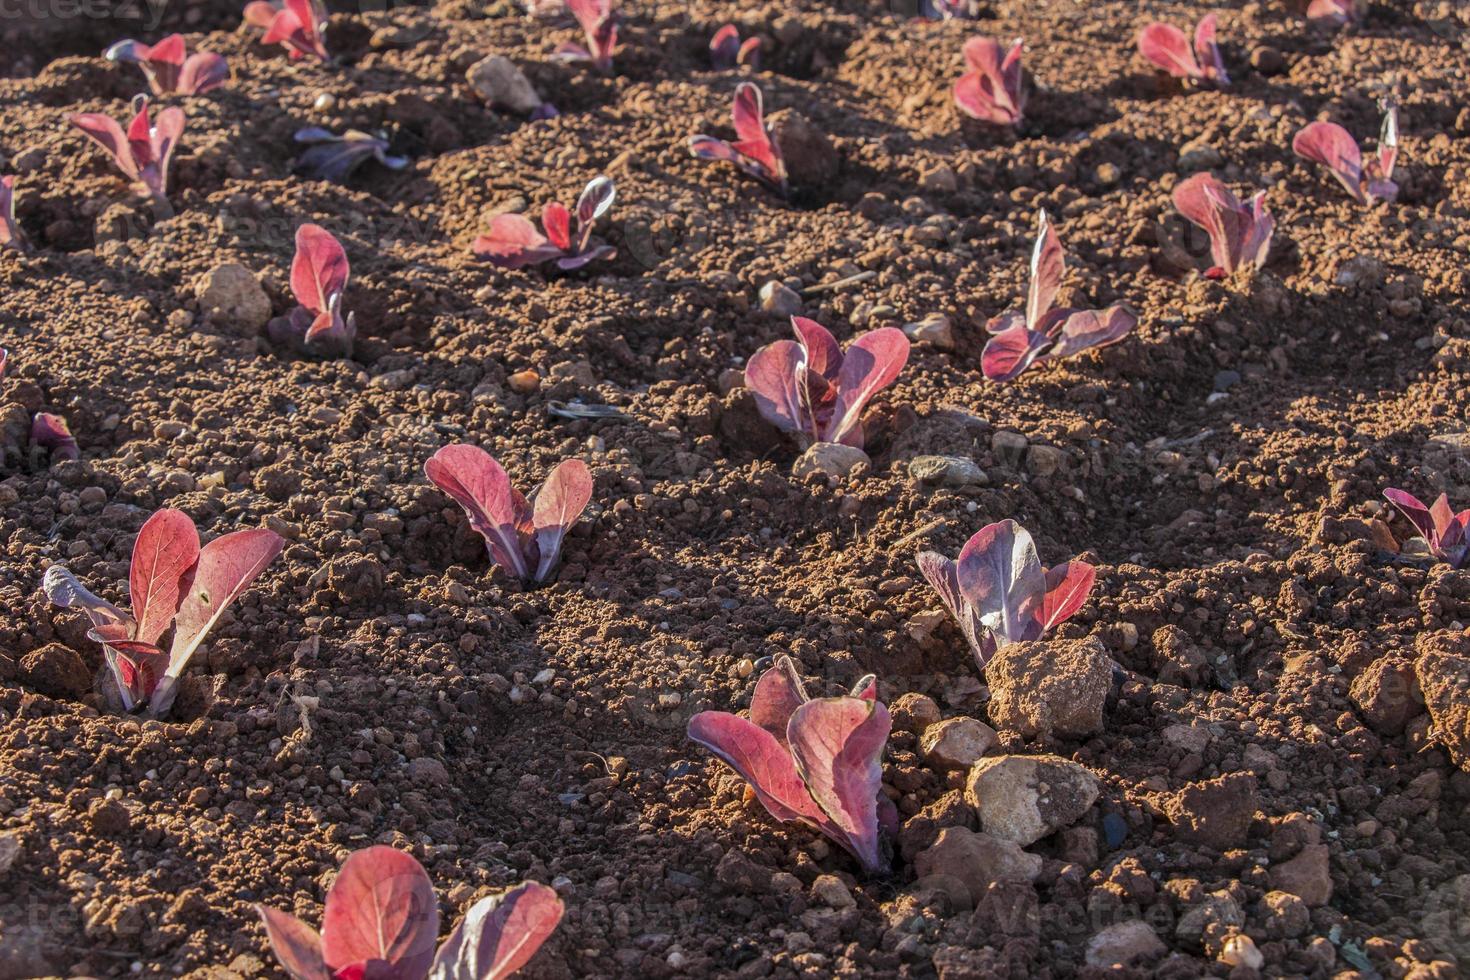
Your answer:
<point x="1247" y="757"/>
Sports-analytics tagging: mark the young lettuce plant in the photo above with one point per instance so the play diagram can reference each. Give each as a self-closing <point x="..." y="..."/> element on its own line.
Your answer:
<point x="522" y="537"/>
<point x="1240" y="235"/>
<point x="726" y="50"/>
<point x="168" y="70"/>
<point x="331" y="157"/>
<point x="381" y="920"/>
<point x="810" y="388"/>
<point x="172" y="581"/>
<point x="1022" y="338"/>
<point x="999" y="593"/>
<point x="1336" y="13"/>
<point x="319" y="274"/>
<point x="1333" y="147"/>
<point x="600" y="26"/>
<point x="1446" y="535"/>
<point x="818" y="761"/>
<point x="144" y="151"/>
<point x="1168" y="49"/>
<point x="10" y="234"/>
<point x="50" y="432"/>
<point x="754" y="150"/>
<point x="991" y="90"/>
<point x="298" y="26"/>
<point x="513" y="242"/>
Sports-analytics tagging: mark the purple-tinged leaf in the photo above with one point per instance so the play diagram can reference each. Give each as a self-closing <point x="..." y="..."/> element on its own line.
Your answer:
<point x="870" y="364"/>
<point x="778" y="693"/>
<point x="51" y="432"/>
<point x="710" y="148"/>
<point x="772" y="377"/>
<point x="1085" y="329"/>
<point x="865" y="688"/>
<point x="991" y="90"/>
<point x="1413" y="508"/>
<point x="203" y="71"/>
<point x="167" y="68"/>
<point x="556" y="222"/>
<point x="4" y="354"/>
<point x="381" y="908"/>
<point x="512" y="242"/>
<point x="106" y="133"/>
<point x="10" y="233"/>
<point x="943" y="575"/>
<point x="823" y="357"/>
<point x="1011" y="351"/>
<point x="1208" y="52"/>
<point x="837" y="745"/>
<point x="1047" y="265"/>
<point x="601" y="30"/>
<point x="1332" y="146"/>
<point x="334" y="158"/>
<point x="1335" y="13"/>
<point x="296" y="945"/>
<point x="1166" y="47"/>
<point x="1002" y="579"/>
<point x="762" y="761"/>
<point x="319" y="270"/>
<point x="595" y="201"/>
<point x="164" y="554"/>
<point x="1067" y="587"/>
<point x="499" y="935"/>
<point x="724" y="47"/>
<point x="753" y="139"/>
<point x="163" y="138"/>
<point x="570" y="262"/>
<point x="226" y="567"/>
<point x="1388" y="146"/>
<point x="558" y="504"/>
<point x="496" y="511"/>
<point x="63" y="589"/>
<point x="297" y="25"/>
<point x="1239" y="234"/>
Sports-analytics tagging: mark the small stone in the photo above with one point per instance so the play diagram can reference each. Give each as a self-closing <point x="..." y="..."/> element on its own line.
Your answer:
<point x="1388" y="695"/>
<point x="914" y="712"/>
<point x="1108" y="174"/>
<point x="1008" y="446"/>
<point x="831" y="891"/>
<point x="427" y="771"/>
<point x="934" y="330"/>
<point x="231" y="296"/>
<point x="1361" y="271"/>
<point x="778" y="298"/>
<point x="1267" y="60"/>
<point x="109" y="818"/>
<point x="1308" y="876"/>
<point x="1240" y="950"/>
<point x="1286" y="915"/>
<point x="1225" y="380"/>
<point x="947" y="471"/>
<point x="10" y="848"/>
<point x="941" y="179"/>
<point x="811" y="159"/>
<point x="1046" y="688"/>
<point x="1216" y="814"/>
<point x="499" y="82"/>
<point x="830" y="459"/>
<point x="1024" y="798"/>
<point x="964" y="864"/>
<point x="956" y="743"/>
<point x="1209" y="921"/>
<point x="1123" y="945"/>
<point x="1045" y="460"/>
<point x="325" y="102"/>
<point x="740" y="874"/>
<point x="524" y="382"/>
<point x="1199" y="155"/>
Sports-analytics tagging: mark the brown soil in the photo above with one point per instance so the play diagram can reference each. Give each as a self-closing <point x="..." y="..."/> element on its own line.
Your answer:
<point x="1240" y="584"/>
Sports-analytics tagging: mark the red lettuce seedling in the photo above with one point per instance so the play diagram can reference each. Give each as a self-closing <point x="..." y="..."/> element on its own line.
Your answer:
<point x="298" y="26"/>
<point x="817" y="761"/>
<point x="1240" y="234"/>
<point x="754" y="151"/>
<point x="726" y="50"/>
<point x="51" y="432"/>
<point x="319" y="273"/>
<point x="1446" y="535"/>
<point x="144" y="151"/>
<point x="524" y="538"/>
<point x="948" y="9"/>
<point x="811" y="388"/>
<point x="381" y="921"/>
<point x="991" y="90"/>
<point x="1333" y="147"/>
<point x="1168" y="49"/>
<point x="167" y="69"/>
<point x="1022" y="338"/>
<point x="10" y="235"/>
<point x="998" y="592"/>
<point x="331" y="157"/>
<point x="172" y="581"/>
<point x="1336" y="13"/>
<point x="601" y="28"/>
<point x="513" y="242"/>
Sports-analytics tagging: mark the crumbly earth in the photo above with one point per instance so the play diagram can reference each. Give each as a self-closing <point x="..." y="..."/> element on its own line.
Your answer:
<point x="381" y="683"/>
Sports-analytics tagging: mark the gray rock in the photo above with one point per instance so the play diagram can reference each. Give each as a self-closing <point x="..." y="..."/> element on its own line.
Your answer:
<point x="1125" y="944"/>
<point x="1050" y="687"/>
<point x="780" y="299"/>
<point x="499" y="82"/>
<point x="1008" y="446"/>
<point x="811" y="159"/>
<point x="964" y="864"/>
<point x="231" y="296"/>
<point x="947" y="471"/>
<point x="1045" y="460"/>
<point x="956" y="743"/>
<point x="935" y="330"/>
<point x="830" y="459"/>
<point x="1199" y="155"/>
<point x="427" y="772"/>
<point x="1024" y="798"/>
